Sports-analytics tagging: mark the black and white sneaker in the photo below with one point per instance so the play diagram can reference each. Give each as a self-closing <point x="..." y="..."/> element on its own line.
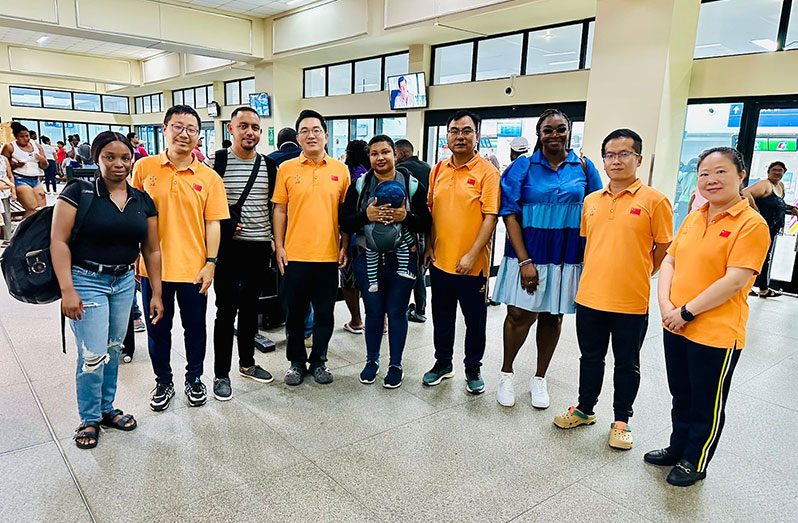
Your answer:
<point x="162" y="394"/>
<point x="196" y="393"/>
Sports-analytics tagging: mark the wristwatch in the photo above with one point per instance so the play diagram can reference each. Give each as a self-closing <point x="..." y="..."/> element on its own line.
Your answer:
<point x="687" y="315"/>
<point x="211" y="260"/>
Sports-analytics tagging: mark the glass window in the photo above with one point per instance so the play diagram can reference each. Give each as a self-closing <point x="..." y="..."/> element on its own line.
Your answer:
<point x="157" y="103"/>
<point x="364" y="129"/>
<point x="396" y="64"/>
<point x="139" y="104"/>
<point x="147" y="104"/>
<point x="340" y="79"/>
<point x="53" y="130"/>
<point x="792" y="30"/>
<point x="591" y="34"/>
<point x="116" y="104"/>
<point x="232" y="95"/>
<point x="24" y="97"/>
<point x="200" y="100"/>
<point x="367" y="75"/>
<point x="32" y="125"/>
<point x="339" y="137"/>
<point x="188" y="97"/>
<point x="76" y="128"/>
<point x="707" y="125"/>
<point x="755" y="26"/>
<point x="57" y="99"/>
<point x="209" y="90"/>
<point x="121" y="129"/>
<point x="499" y="57"/>
<point x="453" y="63"/>
<point x="247" y="88"/>
<point x="555" y="49"/>
<point x="315" y="82"/>
<point x="87" y="102"/>
<point x="396" y="128"/>
<point x="94" y="130"/>
<point x="177" y="98"/>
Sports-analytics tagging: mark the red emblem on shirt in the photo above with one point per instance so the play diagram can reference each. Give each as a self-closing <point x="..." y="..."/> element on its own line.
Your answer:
<point x="635" y="211"/>
<point x="197" y="187"/>
<point x="334" y="178"/>
<point x="472" y="181"/>
<point x="725" y="234"/>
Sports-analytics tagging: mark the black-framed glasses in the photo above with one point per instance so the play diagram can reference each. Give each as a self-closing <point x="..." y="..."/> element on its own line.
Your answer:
<point x="622" y="156"/>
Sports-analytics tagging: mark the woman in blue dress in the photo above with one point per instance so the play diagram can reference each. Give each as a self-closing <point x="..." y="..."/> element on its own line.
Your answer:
<point x="541" y="204"/>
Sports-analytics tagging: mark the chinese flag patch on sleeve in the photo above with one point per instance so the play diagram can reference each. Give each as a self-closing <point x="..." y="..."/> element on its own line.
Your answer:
<point x="472" y="181"/>
<point x="635" y="211"/>
<point x="725" y="234"/>
<point x="197" y="187"/>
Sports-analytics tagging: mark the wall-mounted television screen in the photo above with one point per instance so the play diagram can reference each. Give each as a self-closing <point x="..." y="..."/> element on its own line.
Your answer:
<point x="408" y="91"/>
<point x="213" y="109"/>
<point x="261" y="103"/>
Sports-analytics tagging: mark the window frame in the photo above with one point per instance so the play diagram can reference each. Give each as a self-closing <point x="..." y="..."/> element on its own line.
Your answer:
<point x="64" y="122"/>
<point x="152" y="97"/>
<point x="239" y="81"/>
<point x="102" y="103"/>
<point x="326" y="67"/>
<point x="194" y="90"/>
<point x="584" y="23"/>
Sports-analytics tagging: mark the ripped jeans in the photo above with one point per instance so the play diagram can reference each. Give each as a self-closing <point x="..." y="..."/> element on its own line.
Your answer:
<point x="107" y="301"/>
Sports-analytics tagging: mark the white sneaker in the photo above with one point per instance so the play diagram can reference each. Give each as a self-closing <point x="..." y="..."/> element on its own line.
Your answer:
<point x="539" y="392"/>
<point x="506" y="393"/>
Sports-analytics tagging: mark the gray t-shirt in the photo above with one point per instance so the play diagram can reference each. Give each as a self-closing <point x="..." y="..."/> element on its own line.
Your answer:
<point x="255" y="211"/>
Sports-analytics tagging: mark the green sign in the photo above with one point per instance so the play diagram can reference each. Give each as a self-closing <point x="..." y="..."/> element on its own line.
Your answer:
<point x="761" y="144"/>
<point x="271" y="135"/>
<point x="782" y="144"/>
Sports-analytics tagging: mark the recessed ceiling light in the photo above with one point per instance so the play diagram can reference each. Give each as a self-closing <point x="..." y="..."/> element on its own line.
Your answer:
<point x="42" y="40"/>
<point x="766" y="43"/>
<point x="293" y="2"/>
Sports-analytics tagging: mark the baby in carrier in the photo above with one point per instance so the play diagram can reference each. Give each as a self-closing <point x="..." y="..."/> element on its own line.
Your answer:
<point x="392" y="238"/>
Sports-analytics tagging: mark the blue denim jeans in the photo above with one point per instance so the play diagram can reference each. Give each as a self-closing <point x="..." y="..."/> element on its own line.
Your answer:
<point x="99" y="335"/>
<point x="391" y="299"/>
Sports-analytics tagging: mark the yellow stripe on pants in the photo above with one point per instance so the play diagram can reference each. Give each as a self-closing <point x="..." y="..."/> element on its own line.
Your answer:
<point x="716" y="414"/>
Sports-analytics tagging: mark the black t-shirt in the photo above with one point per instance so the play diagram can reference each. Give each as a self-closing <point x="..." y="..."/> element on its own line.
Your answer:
<point x="110" y="236"/>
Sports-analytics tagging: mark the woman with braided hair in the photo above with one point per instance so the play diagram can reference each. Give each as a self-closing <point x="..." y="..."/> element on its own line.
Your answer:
<point x="541" y="203"/>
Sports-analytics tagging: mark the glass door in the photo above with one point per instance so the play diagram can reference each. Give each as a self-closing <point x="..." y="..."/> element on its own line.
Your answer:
<point x="776" y="139"/>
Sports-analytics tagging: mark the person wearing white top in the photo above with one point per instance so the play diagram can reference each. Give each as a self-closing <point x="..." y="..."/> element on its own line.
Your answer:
<point x="28" y="162"/>
<point x="7" y="193"/>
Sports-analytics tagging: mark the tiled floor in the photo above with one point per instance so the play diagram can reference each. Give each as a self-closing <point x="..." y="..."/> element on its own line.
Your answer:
<point x="349" y="452"/>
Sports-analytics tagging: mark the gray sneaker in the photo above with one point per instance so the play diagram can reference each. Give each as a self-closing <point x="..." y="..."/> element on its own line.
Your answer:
<point x="222" y="390"/>
<point x="256" y="373"/>
<point x="322" y="375"/>
<point x="295" y="374"/>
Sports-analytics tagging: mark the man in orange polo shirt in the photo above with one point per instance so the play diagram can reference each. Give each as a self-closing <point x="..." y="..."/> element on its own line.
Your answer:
<point x="626" y="224"/>
<point x="463" y="197"/>
<point x="191" y="200"/>
<point x="307" y="245"/>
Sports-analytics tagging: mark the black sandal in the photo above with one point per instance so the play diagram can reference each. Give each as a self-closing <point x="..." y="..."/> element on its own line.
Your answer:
<point x="82" y="433"/>
<point x="770" y="294"/>
<point x="121" y="423"/>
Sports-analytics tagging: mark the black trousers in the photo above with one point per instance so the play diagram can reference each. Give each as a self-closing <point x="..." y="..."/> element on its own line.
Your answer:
<point x="594" y="328"/>
<point x="239" y="280"/>
<point x="469" y="291"/>
<point x="129" y="345"/>
<point x="763" y="278"/>
<point x="420" y="288"/>
<point x="307" y="283"/>
<point x="699" y="379"/>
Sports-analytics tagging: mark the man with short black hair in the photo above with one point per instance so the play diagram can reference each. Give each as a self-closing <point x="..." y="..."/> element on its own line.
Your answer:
<point x="405" y="157"/>
<point x="243" y="254"/>
<point x="464" y="199"/>
<point x="191" y="201"/>
<point x="307" y="194"/>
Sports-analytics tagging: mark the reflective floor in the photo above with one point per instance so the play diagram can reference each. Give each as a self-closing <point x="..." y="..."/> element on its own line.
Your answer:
<point x="350" y="452"/>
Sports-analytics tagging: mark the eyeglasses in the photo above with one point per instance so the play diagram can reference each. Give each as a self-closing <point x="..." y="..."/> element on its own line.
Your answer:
<point x="622" y="156"/>
<point x="467" y="132"/>
<point x="316" y="131"/>
<point x="177" y="129"/>
<point x="548" y="131"/>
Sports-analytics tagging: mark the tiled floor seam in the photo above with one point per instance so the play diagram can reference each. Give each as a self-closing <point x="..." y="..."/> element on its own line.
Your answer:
<point x="21" y="449"/>
<point x="50" y="428"/>
<point x="643" y="518"/>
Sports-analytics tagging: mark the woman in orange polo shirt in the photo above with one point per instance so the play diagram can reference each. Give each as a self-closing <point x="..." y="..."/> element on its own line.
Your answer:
<point x="703" y="286"/>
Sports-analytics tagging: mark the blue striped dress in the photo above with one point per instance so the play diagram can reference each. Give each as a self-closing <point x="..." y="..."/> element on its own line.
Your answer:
<point x="549" y="206"/>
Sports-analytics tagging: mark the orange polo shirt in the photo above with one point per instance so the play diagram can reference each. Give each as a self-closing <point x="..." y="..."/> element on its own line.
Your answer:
<point x="737" y="237"/>
<point x="312" y="192"/>
<point x="185" y="200"/>
<point x="459" y="198"/>
<point x="621" y="230"/>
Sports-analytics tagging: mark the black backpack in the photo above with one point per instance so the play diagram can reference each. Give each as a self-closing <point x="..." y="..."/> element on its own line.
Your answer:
<point x="27" y="264"/>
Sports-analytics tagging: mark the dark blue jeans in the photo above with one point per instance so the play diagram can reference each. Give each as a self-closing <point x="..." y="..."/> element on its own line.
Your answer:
<point x="159" y="336"/>
<point x="391" y="299"/>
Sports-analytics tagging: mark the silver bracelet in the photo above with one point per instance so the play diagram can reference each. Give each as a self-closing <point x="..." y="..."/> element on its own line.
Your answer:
<point x="525" y="262"/>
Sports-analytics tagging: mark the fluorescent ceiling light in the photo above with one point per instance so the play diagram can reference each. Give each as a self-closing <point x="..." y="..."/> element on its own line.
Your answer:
<point x="766" y="43"/>
<point x="560" y="54"/>
<point x="42" y="40"/>
<point x="566" y="62"/>
<point x="707" y="46"/>
<point x="293" y="2"/>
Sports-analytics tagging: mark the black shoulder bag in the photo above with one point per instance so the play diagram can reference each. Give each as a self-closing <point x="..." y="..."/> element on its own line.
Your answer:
<point x="230" y="225"/>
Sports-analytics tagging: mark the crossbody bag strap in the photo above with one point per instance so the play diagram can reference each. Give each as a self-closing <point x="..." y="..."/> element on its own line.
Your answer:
<point x="250" y="182"/>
